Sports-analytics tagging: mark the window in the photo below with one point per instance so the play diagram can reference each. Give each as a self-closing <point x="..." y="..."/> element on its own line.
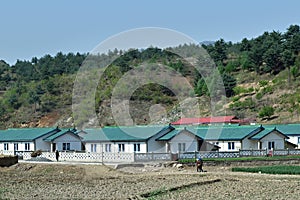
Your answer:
<point x="107" y="147"/>
<point x="271" y="145"/>
<point x="93" y="147"/>
<point x="16" y="146"/>
<point x="298" y="140"/>
<point x="27" y="146"/>
<point x="121" y="147"/>
<point x="66" y="146"/>
<point x="181" y="146"/>
<point x="6" y="147"/>
<point x="230" y="145"/>
<point x="136" y="147"/>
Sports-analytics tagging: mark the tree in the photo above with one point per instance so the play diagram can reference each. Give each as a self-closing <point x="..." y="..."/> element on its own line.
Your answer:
<point x="266" y="111"/>
<point x="229" y="83"/>
<point x="219" y="53"/>
<point x="288" y="61"/>
<point x="245" y="45"/>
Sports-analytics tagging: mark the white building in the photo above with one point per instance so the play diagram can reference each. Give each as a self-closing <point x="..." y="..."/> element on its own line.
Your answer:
<point x="124" y="139"/>
<point x="25" y="139"/>
<point x="32" y="139"/>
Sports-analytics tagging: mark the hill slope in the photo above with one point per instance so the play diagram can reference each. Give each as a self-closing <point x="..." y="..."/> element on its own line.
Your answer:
<point x="260" y="78"/>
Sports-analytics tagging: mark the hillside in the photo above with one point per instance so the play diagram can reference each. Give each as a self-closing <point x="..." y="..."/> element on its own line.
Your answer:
<point x="260" y="78"/>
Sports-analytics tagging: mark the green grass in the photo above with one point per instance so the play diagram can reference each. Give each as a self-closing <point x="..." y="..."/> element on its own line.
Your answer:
<point x="276" y="169"/>
<point x="190" y="160"/>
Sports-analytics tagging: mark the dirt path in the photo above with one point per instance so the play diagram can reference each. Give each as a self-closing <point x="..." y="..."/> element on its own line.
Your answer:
<point x="44" y="181"/>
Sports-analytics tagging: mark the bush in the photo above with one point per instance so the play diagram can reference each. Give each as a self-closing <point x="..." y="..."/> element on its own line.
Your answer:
<point x="263" y="83"/>
<point x="266" y="111"/>
<point x="36" y="153"/>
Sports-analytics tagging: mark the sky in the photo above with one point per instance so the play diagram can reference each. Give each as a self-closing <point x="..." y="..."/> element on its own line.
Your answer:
<point x="34" y="28"/>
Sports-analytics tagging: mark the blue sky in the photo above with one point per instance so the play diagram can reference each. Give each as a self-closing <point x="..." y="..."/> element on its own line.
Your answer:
<point x="34" y="28"/>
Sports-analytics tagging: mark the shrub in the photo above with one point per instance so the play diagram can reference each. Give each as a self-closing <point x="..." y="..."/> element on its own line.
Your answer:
<point x="36" y="153"/>
<point x="263" y="83"/>
<point x="266" y="111"/>
<point x="259" y="95"/>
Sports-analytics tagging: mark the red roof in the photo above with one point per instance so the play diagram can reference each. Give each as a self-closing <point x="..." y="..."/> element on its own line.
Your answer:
<point x="207" y="120"/>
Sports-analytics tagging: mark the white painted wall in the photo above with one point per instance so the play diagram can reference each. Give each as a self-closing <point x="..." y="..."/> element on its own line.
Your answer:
<point x="129" y="146"/>
<point x="21" y="146"/>
<point x="294" y="139"/>
<point x="224" y="145"/>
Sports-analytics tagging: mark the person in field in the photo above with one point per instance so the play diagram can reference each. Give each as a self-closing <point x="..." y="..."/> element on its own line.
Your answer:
<point x="199" y="164"/>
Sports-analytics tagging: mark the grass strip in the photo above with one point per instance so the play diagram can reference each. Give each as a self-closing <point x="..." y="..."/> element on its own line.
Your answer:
<point x="275" y="169"/>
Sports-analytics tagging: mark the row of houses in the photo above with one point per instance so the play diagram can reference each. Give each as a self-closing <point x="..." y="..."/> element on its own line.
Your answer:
<point x="157" y="139"/>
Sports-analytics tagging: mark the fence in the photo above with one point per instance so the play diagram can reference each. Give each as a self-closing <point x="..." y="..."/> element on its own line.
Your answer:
<point x="106" y="157"/>
<point x="102" y="157"/>
<point x="240" y="153"/>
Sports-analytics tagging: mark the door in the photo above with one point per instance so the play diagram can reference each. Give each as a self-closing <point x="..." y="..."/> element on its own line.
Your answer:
<point x="200" y="143"/>
<point x="53" y="147"/>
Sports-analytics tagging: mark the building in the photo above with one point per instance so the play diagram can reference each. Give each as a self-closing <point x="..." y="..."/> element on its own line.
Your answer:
<point x="124" y="139"/>
<point x="45" y="139"/>
<point x="157" y="139"/>
<point x="291" y="130"/>
<point x="26" y="139"/>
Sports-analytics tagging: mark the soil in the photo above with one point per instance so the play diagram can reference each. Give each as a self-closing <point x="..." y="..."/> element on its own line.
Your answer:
<point x="151" y="181"/>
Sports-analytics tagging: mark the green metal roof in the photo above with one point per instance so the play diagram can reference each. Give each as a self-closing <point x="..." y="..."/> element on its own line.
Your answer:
<point x="215" y="133"/>
<point x="287" y="129"/>
<point x="24" y="134"/>
<point x="138" y="133"/>
<point x="261" y="134"/>
<point x="169" y="135"/>
<point x="265" y="132"/>
<point x="58" y="134"/>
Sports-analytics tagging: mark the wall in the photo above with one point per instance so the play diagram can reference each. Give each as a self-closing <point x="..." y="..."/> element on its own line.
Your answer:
<point x="249" y="144"/>
<point x="294" y="139"/>
<point x="129" y="146"/>
<point x="21" y="146"/>
<point x="41" y="144"/>
<point x="189" y="139"/>
<point x="273" y="137"/>
<point x="224" y="145"/>
<point x="157" y="146"/>
<point x="75" y="142"/>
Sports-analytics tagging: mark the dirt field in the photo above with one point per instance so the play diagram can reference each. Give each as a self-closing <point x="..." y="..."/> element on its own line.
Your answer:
<point x="58" y="181"/>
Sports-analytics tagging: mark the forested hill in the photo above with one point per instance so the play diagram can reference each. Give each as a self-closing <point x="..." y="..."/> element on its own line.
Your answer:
<point x="260" y="75"/>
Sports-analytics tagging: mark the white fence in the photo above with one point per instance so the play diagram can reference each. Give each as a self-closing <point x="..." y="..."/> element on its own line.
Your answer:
<point x="144" y="157"/>
<point x="84" y="157"/>
<point x="9" y="153"/>
<point x="240" y="153"/>
<point x="101" y="157"/>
